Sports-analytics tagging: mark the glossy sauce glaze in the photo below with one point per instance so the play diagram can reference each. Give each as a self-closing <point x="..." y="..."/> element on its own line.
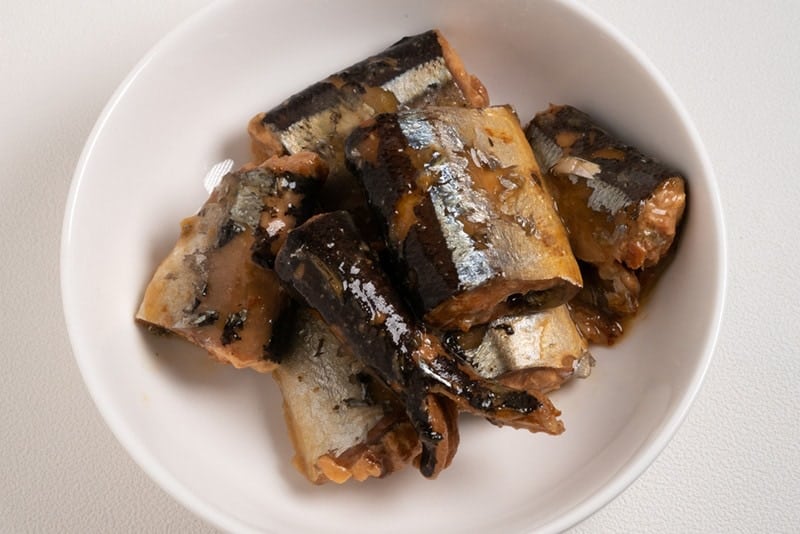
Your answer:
<point x="462" y="205"/>
<point x="336" y="273"/>
<point x="621" y="207"/>
<point x="216" y="288"/>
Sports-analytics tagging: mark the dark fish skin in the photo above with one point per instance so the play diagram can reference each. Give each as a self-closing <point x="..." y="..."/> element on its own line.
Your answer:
<point x="618" y="203"/>
<point x="326" y="262"/>
<point x="460" y="198"/>
<point x="622" y="208"/>
<point x="216" y="288"/>
<point x="538" y="351"/>
<point x="342" y="424"/>
<point x="632" y="174"/>
<point x="383" y="69"/>
<point x="416" y="71"/>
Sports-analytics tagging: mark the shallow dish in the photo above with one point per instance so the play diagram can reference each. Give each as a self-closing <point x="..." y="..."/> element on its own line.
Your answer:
<point x="214" y="437"/>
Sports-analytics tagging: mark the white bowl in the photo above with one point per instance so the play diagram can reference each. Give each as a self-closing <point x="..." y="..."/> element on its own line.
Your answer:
<point x="214" y="437"/>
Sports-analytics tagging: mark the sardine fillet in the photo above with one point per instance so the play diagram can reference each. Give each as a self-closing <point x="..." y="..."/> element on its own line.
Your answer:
<point x="618" y="204"/>
<point x="622" y="208"/>
<point x="333" y="269"/>
<point x="463" y="207"/>
<point x="538" y="351"/>
<point x="339" y="429"/>
<point x="216" y="287"/>
<point x="417" y="71"/>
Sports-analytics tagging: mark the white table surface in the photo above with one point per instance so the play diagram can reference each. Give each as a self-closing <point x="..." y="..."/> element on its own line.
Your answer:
<point x="733" y="466"/>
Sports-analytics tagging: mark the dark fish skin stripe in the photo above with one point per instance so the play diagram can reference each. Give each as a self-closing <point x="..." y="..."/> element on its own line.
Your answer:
<point x="390" y="155"/>
<point x="402" y="56"/>
<point x="324" y="290"/>
<point x="374" y="71"/>
<point x="228" y="231"/>
<point x="636" y="175"/>
<point x="283" y="331"/>
<point x="435" y="275"/>
<point x="319" y="96"/>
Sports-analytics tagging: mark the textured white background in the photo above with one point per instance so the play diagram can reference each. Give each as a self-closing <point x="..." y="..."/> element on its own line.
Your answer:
<point x="733" y="466"/>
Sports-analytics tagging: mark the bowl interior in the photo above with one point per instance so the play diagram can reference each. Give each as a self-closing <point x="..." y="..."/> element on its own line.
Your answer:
<point x="214" y="437"/>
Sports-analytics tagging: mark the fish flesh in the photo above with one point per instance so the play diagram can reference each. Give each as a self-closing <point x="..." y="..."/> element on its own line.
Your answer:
<point x="538" y="351"/>
<point x="416" y="71"/>
<point x="622" y="209"/>
<point x="460" y="197"/>
<point x="342" y="423"/>
<point x="593" y="308"/>
<point x="618" y="204"/>
<point x="216" y="288"/>
<point x="332" y="268"/>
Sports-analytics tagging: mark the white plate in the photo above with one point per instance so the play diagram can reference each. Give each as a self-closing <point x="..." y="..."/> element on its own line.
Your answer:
<point x="214" y="437"/>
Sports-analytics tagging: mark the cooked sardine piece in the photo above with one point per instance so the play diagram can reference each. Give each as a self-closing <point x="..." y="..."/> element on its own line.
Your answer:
<point x="216" y="288"/>
<point x="539" y="351"/>
<point x="416" y="71"/>
<point x="340" y="422"/>
<point x="621" y="207"/>
<point x="618" y="204"/>
<point x="460" y="196"/>
<point x="326" y="262"/>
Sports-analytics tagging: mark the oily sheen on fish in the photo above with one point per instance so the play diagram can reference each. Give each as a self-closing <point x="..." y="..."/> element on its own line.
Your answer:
<point x="326" y="262"/>
<point x="464" y="211"/>
<point x="418" y="70"/>
<point x="618" y="203"/>
<point x="342" y="423"/>
<point x="622" y="208"/>
<point x="216" y="288"/>
<point x="539" y="351"/>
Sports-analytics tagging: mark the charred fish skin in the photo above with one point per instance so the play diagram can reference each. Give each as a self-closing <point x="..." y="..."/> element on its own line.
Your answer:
<point x="618" y="203"/>
<point x="416" y="71"/>
<point x="326" y="262"/>
<point x="341" y="427"/>
<point x="462" y="205"/>
<point x="215" y="288"/>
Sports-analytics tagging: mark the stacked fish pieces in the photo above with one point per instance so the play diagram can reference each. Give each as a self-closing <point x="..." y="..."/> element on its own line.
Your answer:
<point x="519" y="260"/>
<point x="433" y="279"/>
<point x="622" y="208"/>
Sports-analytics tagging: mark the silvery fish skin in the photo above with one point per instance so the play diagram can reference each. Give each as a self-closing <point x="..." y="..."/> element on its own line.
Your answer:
<point x="327" y="263"/>
<point x="216" y="287"/>
<point x="618" y="204"/>
<point x="622" y="208"/>
<point x="416" y="71"/>
<point x="341" y="427"/>
<point x="538" y="351"/>
<point x="460" y="196"/>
